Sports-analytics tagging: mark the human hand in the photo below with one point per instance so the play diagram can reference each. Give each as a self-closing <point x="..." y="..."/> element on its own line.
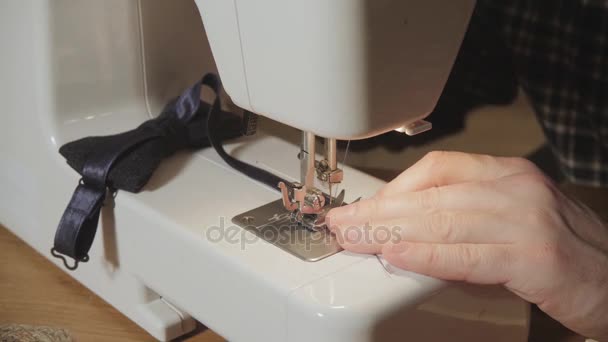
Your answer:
<point x="488" y="220"/>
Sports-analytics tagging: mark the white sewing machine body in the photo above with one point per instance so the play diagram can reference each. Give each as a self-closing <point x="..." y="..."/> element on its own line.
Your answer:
<point x="341" y="61"/>
<point x="73" y="69"/>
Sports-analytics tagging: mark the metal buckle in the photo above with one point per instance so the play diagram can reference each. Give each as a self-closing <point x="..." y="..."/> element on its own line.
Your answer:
<point x="65" y="262"/>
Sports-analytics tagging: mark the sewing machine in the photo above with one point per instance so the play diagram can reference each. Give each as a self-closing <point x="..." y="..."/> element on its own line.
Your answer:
<point x="195" y="244"/>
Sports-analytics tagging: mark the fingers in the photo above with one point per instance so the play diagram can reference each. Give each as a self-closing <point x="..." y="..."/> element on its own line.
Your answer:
<point x="444" y="168"/>
<point x="473" y="263"/>
<point x="443" y="227"/>
<point x="469" y="196"/>
<point x="366" y="240"/>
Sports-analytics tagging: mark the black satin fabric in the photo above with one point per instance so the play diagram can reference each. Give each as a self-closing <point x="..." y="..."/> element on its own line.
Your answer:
<point x="130" y="158"/>
<point x="126" y="161"/>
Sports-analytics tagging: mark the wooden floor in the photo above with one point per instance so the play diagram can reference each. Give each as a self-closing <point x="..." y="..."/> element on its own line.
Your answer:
<point x="35" y="292"/>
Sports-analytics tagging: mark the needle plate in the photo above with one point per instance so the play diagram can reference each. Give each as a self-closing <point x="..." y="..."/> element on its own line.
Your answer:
<point x="274" y="224"/>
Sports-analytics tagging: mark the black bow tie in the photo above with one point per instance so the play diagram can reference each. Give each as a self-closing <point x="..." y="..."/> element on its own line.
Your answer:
<point x="126" y="161"/>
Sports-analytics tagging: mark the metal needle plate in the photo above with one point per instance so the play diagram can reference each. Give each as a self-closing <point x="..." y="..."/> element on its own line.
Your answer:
<point x="274" y="224"/>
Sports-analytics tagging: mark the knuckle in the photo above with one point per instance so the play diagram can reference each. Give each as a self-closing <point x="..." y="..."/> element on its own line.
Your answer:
<point x="522" y="165"/>
<point x="552" y="257"/>
<point x="442" y="226"/>
<point x="381" y="235"/>
<point x="542" y="188"/>
<point x="480" y="160"/>
<point x="435" y="156"/>
<point x="540" y="218"/>
<point x="379" y="204"/>
<point x="505" y="260"/>
<point x="538" y="181"/>
<point x="396" y="234"/>
<point x="429" y="199"/>
<point x="490" y="187"/>
<point x="433" y="257"/>
<point x="436" y="160"/>
<point x="470" y="259"/>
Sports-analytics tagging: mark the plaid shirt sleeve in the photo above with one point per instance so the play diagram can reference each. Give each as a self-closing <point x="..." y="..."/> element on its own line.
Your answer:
<point x="557" y="52"/>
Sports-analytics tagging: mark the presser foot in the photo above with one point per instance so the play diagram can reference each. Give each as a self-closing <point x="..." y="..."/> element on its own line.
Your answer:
<point x="309" y="206"/>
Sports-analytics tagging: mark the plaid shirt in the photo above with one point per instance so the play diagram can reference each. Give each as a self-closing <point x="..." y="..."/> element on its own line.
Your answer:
<point x="557" y="52"/>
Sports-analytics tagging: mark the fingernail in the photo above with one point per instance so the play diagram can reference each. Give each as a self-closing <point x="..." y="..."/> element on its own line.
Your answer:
<point x="398" y="248"/>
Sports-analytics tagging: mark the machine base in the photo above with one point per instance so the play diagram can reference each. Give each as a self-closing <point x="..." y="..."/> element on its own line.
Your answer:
<point x="274" y="224"/>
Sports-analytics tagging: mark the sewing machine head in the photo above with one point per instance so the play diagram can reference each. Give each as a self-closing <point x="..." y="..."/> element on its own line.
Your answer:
<point x="340" y="69"/>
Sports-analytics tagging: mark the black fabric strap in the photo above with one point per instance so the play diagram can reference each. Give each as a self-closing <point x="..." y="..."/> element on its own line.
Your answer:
<point x="213" y="119"/>
<point x="78" y="225"/>
<point x="126" y="161"/>
<point x="177" y="127"/>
